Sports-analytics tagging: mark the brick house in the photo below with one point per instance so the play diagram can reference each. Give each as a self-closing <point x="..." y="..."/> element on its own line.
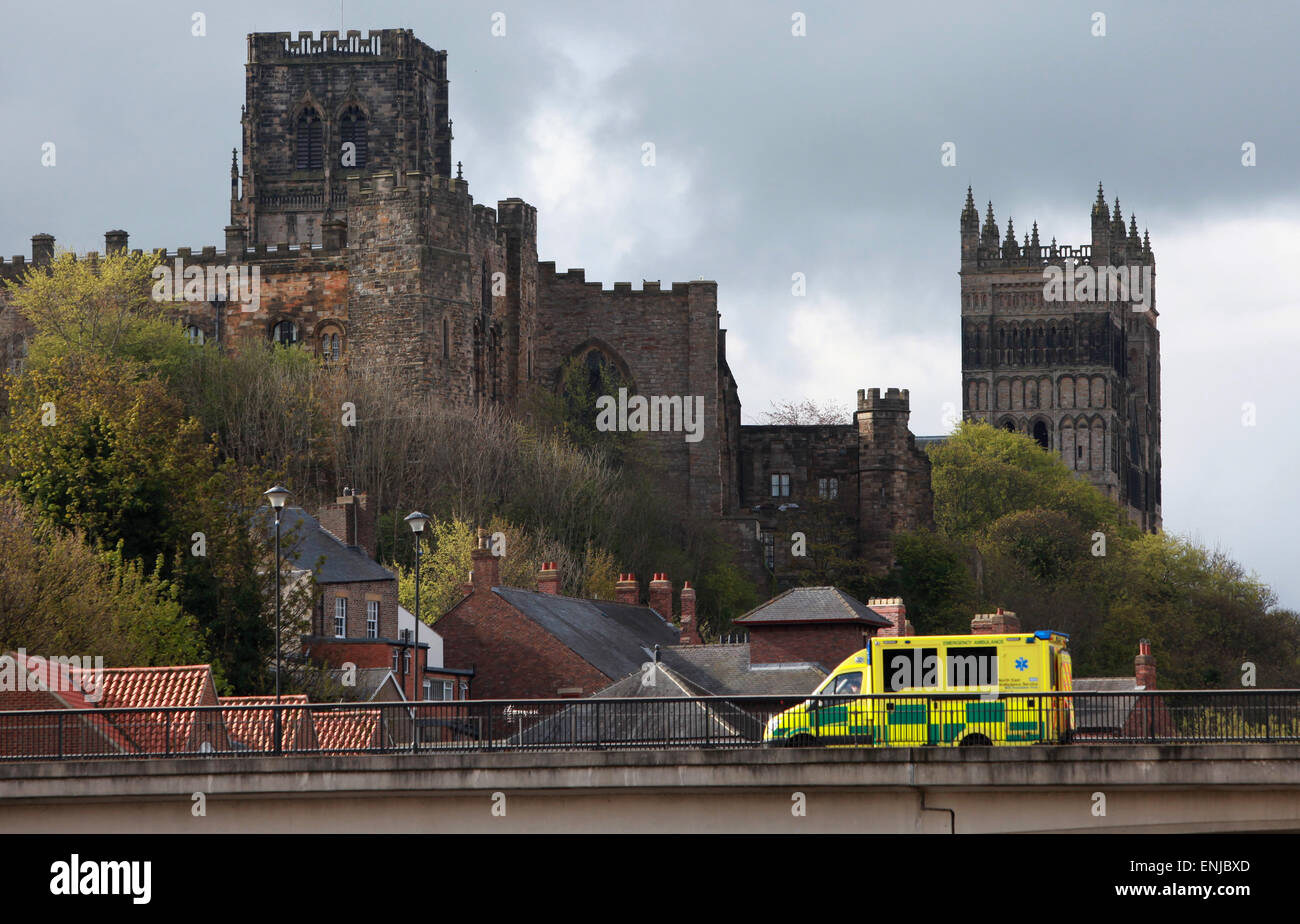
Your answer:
<point x="356" y="618"/>
<point x="538" y="644"/>
<point x="818" y="625"/>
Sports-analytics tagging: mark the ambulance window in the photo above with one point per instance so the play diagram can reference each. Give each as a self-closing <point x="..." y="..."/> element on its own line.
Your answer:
<point x="846" y="684"/>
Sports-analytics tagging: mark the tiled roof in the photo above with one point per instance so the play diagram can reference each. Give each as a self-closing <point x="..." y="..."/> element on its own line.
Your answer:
<point x="157" y="687"/>
<point x="306" y="544"/>
<point x="814" y="604"/>
<point x="614" y="638"/>
<point x="254" y="729"/>
<point x="346" y="729"/>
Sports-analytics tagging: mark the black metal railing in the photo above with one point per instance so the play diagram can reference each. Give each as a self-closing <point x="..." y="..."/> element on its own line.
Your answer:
<point x="668" y="722"/>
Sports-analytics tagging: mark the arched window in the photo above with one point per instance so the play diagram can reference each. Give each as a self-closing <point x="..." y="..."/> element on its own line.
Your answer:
<point x="194" y="334"/>
<point x="352" y="129"/>
<point x="331" y="345"/>
<point x="1040" y="434"/>
<point x="284" y="333"/>
<point x="310" y="135"/>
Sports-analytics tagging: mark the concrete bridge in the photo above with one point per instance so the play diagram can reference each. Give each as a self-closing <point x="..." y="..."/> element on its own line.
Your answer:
<point x="1140" y="788"/>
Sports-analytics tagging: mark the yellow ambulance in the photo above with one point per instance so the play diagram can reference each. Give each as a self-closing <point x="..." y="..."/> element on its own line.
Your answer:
<point x="938" y="689"/>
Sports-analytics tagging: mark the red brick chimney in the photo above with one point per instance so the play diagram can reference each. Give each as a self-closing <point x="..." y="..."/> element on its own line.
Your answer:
<point x="626" y="590"/>
<point x="690" y="631"/>
<point x="661" y="595"/>
<point x="1144" y="666"/>
<point x="548" y="579"/>
<point x="485" y="570"/>
<point x="1003" y="622"/>
<point x="892" y="609"/>
<point x="351" y="520"/>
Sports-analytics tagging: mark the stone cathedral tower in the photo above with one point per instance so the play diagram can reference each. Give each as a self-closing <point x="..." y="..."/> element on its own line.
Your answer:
<point x="1076" y="367"/>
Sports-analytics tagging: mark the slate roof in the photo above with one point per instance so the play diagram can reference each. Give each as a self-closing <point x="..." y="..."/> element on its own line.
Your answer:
<point x="312" y="544"/>
<point x="814" y="604"/>
<point x="614" y="638"/>
<point x="725" y="670"/>
<point x="1103" y="713"/>
<point x="683" y="671"/>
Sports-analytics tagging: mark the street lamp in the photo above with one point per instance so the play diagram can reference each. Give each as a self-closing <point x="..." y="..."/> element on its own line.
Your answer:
<point x="417" y="521"/>
<point x="276" y="497"/>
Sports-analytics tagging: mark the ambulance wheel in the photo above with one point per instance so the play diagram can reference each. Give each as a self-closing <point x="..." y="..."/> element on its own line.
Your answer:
<point x="975" y="741"/>
<point x="803" y="741"/>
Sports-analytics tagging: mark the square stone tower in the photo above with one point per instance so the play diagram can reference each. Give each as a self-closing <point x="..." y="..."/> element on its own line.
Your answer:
<point x="1075" y="366"/>
<point x="317" y="110"/>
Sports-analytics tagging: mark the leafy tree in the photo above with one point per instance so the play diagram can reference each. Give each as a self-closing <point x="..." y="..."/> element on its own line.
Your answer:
<point x="102" y="308"/>
<point x="59" y="595"/>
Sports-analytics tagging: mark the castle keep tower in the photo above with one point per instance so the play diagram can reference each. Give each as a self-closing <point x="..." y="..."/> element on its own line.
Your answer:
<point x="385" y="94"/>
<point x="1076" y="366"/>
<point x="347" y="171"/>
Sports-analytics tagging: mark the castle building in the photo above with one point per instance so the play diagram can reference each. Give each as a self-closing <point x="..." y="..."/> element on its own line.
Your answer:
<point x="371" y="252"/>
<point x="1060" y="343"/>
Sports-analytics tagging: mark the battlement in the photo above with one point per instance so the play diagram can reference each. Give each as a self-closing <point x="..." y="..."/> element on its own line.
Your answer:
<point x="43" y="253"/>
<point x="579" y="275"/>
<point x="894" y="399"/>
<point x="379" y="44"/>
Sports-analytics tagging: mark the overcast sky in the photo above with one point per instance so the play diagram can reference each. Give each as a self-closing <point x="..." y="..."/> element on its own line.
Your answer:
<point x="778" y="154"/>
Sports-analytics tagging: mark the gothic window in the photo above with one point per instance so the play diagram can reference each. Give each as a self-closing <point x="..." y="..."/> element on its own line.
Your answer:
<point x="1040" y="434"/>
<point x="310" y="140"/>
<point x="352" y="128"/>
<point x="194" y="334"/>
<point x="284" y="333"/>
<point x="487" y="288"/>
<point x="595" y="362"/>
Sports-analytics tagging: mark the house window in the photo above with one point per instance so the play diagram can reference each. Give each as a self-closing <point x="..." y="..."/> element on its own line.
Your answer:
<point x="428" y="690"/>
<point x="372" y="619"/>
<point x="769" y="551"/>
<point x="448" y="689"/>
<point x="828" y="488"/>
<point x="309" y="140"/>
<point x="340" y="617"/>
<point x="464" y="690"/>
<point x="194" y="335"/>
<point x="780" y="485"/>
<point x="353" y="129"/>
<point x="397" y="664"/>
<point x="406" y="662"/>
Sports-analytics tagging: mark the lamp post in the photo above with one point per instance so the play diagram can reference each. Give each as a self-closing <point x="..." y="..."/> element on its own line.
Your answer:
<point x="276" y="497"/>
<point x="417" y="521"/>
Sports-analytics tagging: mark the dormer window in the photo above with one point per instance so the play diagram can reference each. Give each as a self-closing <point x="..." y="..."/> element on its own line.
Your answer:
<point x="310" y="140"/>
